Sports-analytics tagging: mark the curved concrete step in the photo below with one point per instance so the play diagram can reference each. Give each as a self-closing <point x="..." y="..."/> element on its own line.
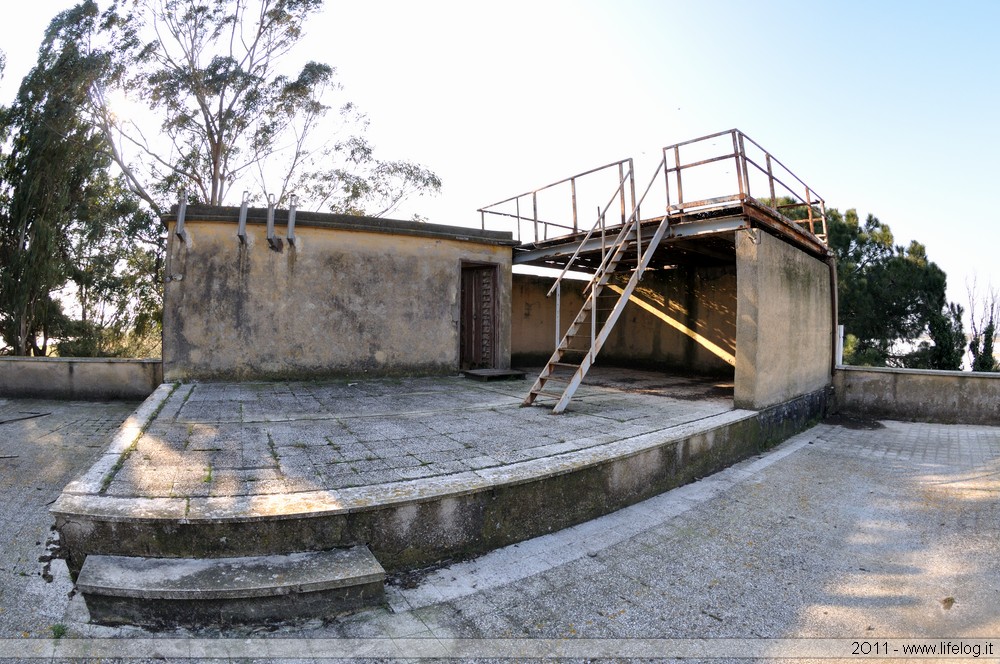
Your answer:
<point x="164" y="592"/>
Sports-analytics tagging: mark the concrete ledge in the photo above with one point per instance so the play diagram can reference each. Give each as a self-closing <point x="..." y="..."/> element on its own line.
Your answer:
<point x="948" y="397"/>
<point x="159" y="592"/>
<point x="87" y="379"/>
<point x="415" y="523"/>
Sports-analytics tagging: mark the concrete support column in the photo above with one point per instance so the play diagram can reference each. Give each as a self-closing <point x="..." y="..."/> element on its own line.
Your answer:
<point x="783" y="321"/>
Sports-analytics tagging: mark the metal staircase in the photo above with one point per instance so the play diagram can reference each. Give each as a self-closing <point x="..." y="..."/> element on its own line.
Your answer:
<point x="603" y="305"/>
<point x="765" y="195"/>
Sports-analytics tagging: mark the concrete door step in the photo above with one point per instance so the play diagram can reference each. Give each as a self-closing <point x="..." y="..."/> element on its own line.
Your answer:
<point x="165" y="592"/>
<point x="493" y="374"/>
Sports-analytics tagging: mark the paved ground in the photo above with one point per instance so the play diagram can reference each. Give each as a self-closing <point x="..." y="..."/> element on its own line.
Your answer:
<point x="841" y="532"/>
<point x="43" y="445"/>
<point x="219" y="439"/>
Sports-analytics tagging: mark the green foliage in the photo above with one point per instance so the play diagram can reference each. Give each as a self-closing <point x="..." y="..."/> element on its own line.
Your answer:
<point x="890" y="296"/>
<point x="891" y="299"/>
<point x="73" y="234"/>
<point x="67" y="229"/>
<point x="45" y="179"/>
<point x="982" y="344"/>
<point x="948" y="348"/>
<point x="209" y="71"/>
<point x="982" y="348"/>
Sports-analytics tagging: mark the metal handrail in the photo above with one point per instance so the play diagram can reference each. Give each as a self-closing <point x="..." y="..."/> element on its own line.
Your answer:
<point x="799" y="191"/>
<point x="623" y="174"/>
<point x="599" y="223"/>
<point x="780" y="182"/>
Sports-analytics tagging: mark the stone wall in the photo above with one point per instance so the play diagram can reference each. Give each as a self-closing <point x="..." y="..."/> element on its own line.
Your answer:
<point x="89" y="379"/>
<point x="784" y="328"/>
<point x="950" y="397"/>
<point x="353" y="296"/>
<point x="683" y="319"/>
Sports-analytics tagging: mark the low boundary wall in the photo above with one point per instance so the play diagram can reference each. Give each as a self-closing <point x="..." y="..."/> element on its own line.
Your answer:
<point x="79" y="378"/>
<point x="948" y="397"/>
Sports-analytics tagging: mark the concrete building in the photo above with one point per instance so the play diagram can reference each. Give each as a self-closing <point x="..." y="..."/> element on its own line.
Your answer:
<point x="346" y="296"/>
<point x="720" y="285"/>
<point x="222" y="502"/>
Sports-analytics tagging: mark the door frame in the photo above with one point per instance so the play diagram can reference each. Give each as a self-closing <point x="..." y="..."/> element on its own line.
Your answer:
<point x="494" y="341"/>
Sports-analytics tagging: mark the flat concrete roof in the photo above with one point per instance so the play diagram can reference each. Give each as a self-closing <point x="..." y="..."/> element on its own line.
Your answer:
<point x="347" y="222"/>
<point x="329" y="445"/>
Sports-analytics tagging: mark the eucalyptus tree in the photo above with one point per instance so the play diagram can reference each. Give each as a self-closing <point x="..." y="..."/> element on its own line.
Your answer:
<point x="221" y="114"/>
<point x="45" y="178"/>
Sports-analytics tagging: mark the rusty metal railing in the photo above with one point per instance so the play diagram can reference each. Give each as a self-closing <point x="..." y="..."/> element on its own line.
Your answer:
<point x="549" y="201"/>
<point x="709" y="172"/>
<point x="755" y="174"/>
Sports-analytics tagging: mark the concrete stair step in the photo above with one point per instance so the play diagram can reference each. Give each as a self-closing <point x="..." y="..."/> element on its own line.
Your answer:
<point x="164" y="592"/>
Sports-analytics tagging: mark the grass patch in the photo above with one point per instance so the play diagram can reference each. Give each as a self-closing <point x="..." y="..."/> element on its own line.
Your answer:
<point x="58" y="631"/>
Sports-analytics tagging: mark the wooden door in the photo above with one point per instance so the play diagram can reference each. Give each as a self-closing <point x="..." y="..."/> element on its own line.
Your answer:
<point x="478" y="317"/>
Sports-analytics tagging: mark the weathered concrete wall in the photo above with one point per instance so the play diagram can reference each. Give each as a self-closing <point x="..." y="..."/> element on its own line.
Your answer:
<point x="681" y="319"/>
<point x="353" y="296"/>
<point x="784" y="323"/>
<point x="532" y="327"/>
<point x="89" y="379"/>
<point x="950" y="397"/>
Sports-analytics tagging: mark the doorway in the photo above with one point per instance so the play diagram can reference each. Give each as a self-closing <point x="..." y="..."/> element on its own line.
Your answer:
<point x="478" y="336"/>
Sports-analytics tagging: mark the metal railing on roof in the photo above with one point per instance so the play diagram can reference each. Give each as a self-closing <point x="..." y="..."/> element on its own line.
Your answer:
<point x="550" y="200"/>
<point x="699" y="175"/>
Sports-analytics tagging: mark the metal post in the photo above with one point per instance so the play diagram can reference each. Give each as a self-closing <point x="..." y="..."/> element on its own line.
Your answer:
<point x="593" y="320"/>
<point x="241" y="230"/>
<point x="182" y="202"/>
<point x="680" y="188"/>
<point x="517" y="208"/>
<point x="621" y="189"/>
<point x="809" y="208"/>
<point x="739" y="165"/>
<point x="558" y="306"/>
<point x="534" y="212"/>
<point x="666" y="179"/>
<point x="604" y="249"/>
<point x="770" y="180"/>
<point x="840" y="345"/>
<point x="572" y="185"/>
<point x="638" y="241"/>
<point x="746" y="173"/>
<point x="631" y="184"/>
<point x="292" y="202"/>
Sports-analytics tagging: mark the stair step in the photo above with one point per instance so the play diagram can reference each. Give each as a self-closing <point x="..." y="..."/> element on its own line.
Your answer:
<point x="551" y="395"/>
<point x="161" y="592"/>
<point x="564" y="364"/>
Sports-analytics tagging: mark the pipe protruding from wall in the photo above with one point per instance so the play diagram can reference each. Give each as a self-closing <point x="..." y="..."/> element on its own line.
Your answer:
<point x="272" y="239"/>
<point x="241" y="230"/>
<point x="292" y="203"/>
<point x="182" y="201"/>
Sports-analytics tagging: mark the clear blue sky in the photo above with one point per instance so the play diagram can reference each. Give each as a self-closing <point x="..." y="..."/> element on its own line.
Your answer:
<point x="889" y="107"/>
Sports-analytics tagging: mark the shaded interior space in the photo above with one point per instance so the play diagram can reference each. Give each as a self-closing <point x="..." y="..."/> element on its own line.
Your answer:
<point x="738" y="285"/>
